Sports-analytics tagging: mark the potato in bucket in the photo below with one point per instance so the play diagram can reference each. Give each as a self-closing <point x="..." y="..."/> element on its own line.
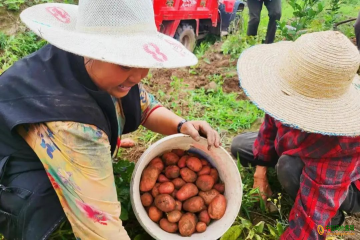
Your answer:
<point x="226" y="173"/>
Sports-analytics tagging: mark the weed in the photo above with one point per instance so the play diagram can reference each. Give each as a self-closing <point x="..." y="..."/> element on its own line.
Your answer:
<point x="333" y="13"/>
<point x="13" y="48"/>
<point x="304" y="12"/>
<point x="13" y="4"/>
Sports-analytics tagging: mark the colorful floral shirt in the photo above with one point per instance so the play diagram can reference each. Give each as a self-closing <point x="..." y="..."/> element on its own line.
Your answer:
<point x="78" y="161"/>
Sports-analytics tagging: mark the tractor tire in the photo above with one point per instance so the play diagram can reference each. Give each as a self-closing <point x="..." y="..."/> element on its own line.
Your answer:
<point x="186" y="35"/>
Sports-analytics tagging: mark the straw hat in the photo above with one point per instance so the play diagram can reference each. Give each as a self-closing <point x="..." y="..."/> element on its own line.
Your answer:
<point x="117" y="31"/>
<point x="310" y="84"/>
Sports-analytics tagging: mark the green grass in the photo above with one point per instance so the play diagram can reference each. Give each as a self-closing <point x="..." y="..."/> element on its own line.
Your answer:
<point x="13" y="48"/>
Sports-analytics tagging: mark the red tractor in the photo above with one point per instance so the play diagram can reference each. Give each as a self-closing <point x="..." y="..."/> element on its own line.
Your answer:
<point x="191" y="20"/>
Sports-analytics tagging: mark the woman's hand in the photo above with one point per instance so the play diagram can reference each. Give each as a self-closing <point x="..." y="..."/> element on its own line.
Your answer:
<point x="197" y="128"/>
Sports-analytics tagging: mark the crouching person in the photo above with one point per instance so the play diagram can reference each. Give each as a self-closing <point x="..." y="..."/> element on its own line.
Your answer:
<point x="310" y="133"/>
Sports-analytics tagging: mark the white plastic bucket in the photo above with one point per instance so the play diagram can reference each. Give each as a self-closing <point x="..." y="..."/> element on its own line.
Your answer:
<point x="228" y="173"/>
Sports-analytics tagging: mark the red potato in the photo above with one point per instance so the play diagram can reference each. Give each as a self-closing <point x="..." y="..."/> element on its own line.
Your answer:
<point x="220" y="187"/>
<point x="194" y="164"/>
<point x="174" y="216"/>
<point x="146" y="199"/>
<point x="158" y="163"/>
<point x="205" y="182"/>
<point x="178" y="182"/>
<point x="204" y="162"/>
<point x="155" y="190"/>
<point x="178" y="205"/>
<point x="204" y="217"/>
<point x="148" y="178"/>
<point x="187" y="224"/>
<point x="187" y="191"/>
<point x="214" y="173"/>
<point x="166" y="188"/>
<point x="208" y="196"/>
<point x="178" y="152"/>
<point x="182" y="162"/>
<point x="200" y="227"/>
<point x="204" y="171"/>
<point x="155" y="214"/>
<point x="168" y="226"/>
<point x="172" y="172"/>
<point x="188" y="175"/>
<point x="173" y="194"/>
<point x="217" y="207"/>
<point x="162" y="179"/>
<point x="204" y="207"/>
<point x="194" y="204"/>
<point x="170" y="158"/>
<point x="165" y="202"/>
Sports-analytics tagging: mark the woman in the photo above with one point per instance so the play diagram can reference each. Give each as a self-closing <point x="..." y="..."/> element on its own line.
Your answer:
<point x="65" y="107"/>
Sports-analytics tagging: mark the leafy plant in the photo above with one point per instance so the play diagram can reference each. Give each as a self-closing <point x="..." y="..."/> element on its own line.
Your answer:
<point x="244" y="229"/>
<point x="123" y="170"/>
<point x="16" y="47"/>
<point x="13" y="4"/>
<point x="332" y="13"/>
<point x="304" y="12"/>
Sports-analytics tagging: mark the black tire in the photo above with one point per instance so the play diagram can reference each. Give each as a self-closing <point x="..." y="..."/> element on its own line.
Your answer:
<point x="186" y="35"/>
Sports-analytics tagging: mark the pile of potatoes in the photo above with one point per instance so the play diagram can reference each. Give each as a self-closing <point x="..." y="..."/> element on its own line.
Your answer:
<point x="182" y="193"/>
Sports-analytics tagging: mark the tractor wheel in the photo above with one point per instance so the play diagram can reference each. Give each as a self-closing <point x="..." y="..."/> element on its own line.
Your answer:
<point x="186" y="35"/>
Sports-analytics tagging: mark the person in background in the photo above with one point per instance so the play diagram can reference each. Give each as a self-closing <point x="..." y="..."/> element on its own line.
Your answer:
<point x="311" y="130"/>
<point x="357" y="31"/>
<point x="65" y="107"/>
<point x="255" y="7"/>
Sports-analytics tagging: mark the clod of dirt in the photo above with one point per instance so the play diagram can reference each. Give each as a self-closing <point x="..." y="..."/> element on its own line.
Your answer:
<point x="213" y="86"/>
<point x="218" y="56"/>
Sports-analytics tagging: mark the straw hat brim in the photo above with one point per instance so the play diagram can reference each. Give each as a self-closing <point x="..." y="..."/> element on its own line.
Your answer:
<point x="148" y="49"/>
<point x="259" y="77"/>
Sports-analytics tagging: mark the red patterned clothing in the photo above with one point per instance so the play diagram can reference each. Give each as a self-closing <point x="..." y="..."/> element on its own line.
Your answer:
<point x="332" y="163"/>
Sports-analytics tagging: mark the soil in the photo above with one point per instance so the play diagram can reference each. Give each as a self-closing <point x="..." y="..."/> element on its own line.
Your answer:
<point x="212" y="63"/>
<point x="9" y="21"/>
<point x="353" y="220"/>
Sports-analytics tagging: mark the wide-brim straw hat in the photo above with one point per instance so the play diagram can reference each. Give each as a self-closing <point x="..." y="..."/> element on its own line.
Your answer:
<point x="117" y="31"/>
<point x="310" y="84"/>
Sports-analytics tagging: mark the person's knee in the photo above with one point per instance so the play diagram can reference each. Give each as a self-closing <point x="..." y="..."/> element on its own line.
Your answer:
<point x="276" y="14"/>
<point x="289" y="170"/>
<point x="237" y="145"/>
<point x="283" y="166"/>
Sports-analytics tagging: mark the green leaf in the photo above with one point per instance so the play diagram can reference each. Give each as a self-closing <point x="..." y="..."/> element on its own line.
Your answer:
<point x="246" y="223"/>
<point x="124" y="214"/>
<point x="257" y="237"/>
<point x="251" y="234"/>
<point x="233" y="233"/>
<point x="320" y="7"/>
<point x="272" y="230"/>
<point x="259" y="227"/>
<point x="280" y="228"/>
<point x="262" y="205"/>
<point x="142" y="236"/>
